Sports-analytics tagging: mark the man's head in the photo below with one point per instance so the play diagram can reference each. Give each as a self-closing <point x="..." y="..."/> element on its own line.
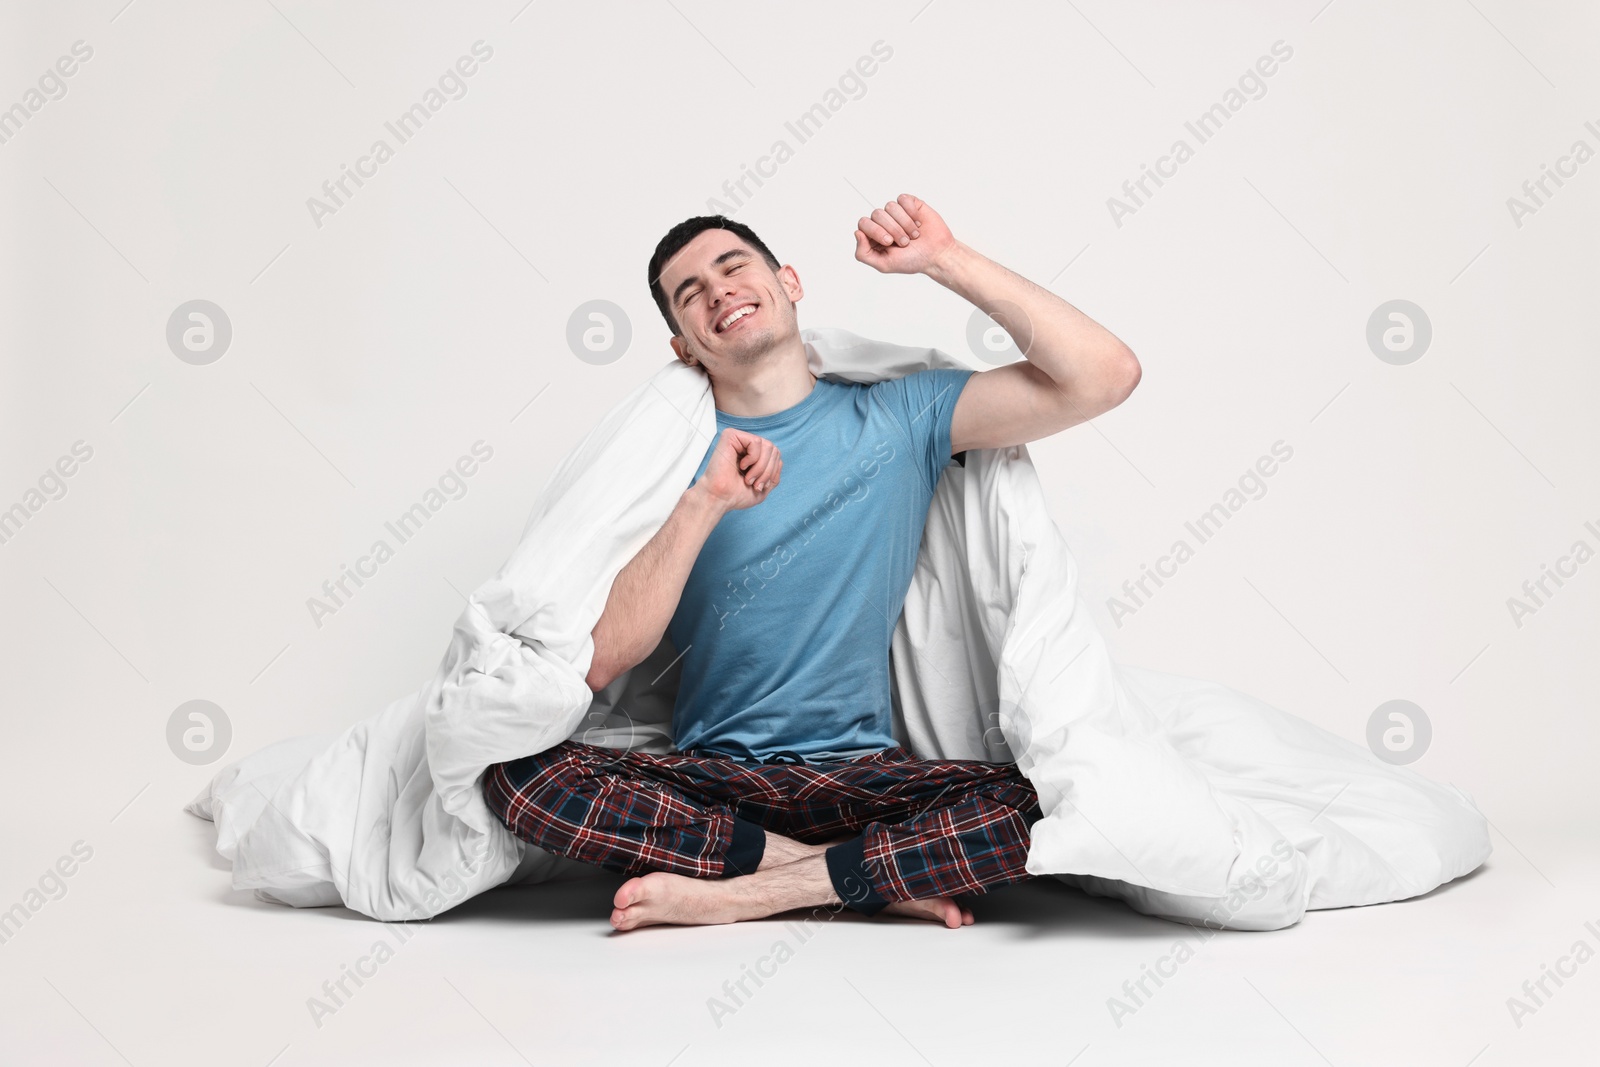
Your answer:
<point x="705" y="269"/>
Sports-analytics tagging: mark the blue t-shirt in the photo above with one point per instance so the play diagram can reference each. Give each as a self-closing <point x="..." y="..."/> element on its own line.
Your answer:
<point x="785" y="621"/>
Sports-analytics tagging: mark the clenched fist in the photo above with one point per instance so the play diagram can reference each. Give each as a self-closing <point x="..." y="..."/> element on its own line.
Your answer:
<point x="905" y="236"/>
<point x="742" y="470"/>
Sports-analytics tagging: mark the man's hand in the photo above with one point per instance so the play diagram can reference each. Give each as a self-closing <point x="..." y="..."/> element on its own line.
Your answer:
<point x="1073" y="368"/>
<point x="905" y="236"/>
<point x="742" y="470"/>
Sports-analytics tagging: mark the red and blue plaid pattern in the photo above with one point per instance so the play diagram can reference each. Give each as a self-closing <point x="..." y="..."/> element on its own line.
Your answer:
<point x="929" y="828"/>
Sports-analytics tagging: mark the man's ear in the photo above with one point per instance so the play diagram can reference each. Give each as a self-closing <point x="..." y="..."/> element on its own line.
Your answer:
<point x="789" y="278"/>
<point x="681" y="350"/>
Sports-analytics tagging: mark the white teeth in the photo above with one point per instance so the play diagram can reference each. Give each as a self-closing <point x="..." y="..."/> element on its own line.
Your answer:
<point x="736" y="316"/>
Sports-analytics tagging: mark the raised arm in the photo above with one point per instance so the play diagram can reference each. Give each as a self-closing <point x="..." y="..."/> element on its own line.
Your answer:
<point x="1075" y="369"/>
<point x="742" y="470"/>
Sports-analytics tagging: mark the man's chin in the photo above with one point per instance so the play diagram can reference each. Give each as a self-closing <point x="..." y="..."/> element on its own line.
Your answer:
<point x="750" y="347"/>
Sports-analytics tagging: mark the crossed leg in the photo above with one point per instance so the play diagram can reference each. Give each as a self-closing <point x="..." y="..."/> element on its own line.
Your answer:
<point x="791" y="875"/>
<point x="885" y="833"/>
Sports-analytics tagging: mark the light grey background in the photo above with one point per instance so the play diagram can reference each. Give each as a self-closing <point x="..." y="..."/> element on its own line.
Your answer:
<point x="431" y="311"/>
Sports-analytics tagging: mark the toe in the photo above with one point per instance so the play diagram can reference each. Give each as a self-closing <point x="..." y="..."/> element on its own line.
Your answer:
<point x="630" y="893"/>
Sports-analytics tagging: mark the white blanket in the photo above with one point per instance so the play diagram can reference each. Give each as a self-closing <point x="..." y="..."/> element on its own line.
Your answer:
<point x="1184" y="798"/>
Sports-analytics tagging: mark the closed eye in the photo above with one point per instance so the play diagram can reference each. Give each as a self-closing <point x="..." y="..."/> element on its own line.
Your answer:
<point x="688" y="298"/>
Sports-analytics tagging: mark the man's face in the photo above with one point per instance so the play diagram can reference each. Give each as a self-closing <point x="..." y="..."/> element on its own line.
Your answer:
<point x="731" y="308"/>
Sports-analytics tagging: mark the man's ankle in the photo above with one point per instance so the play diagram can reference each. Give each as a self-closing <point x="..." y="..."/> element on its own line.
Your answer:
<point x="801" y="884"/>
<point x="782" y="850"/>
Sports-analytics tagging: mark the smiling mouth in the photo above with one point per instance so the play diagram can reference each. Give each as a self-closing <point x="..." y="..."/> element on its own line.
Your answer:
<point x="738" y="316"/>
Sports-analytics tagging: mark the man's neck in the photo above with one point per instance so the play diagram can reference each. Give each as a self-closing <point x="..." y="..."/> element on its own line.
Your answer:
<point x="779" y="381"/>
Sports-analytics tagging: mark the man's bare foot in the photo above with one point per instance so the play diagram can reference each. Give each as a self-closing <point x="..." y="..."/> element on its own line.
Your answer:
<point x="673" y="898"/>
<point x="660" y="897"/>
<point x="938" y="909"/>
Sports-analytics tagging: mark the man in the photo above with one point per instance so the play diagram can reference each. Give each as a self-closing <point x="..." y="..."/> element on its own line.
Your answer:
<point x="788" y="789"/>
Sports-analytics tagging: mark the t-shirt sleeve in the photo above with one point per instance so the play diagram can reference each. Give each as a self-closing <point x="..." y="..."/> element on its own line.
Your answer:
<point x="923" y="402"/>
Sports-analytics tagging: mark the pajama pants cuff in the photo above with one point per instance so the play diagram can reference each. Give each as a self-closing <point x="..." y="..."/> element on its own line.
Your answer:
<point x="847" y="870"/>
<point x="748" y="845"/>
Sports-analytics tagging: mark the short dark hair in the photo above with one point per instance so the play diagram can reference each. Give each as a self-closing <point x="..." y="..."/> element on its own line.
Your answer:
<point x="686" y="231"/>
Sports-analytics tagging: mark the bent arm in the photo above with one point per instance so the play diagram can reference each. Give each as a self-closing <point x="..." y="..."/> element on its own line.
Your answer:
<point x="646" y="591"/>
<point x="1075" y="368"/>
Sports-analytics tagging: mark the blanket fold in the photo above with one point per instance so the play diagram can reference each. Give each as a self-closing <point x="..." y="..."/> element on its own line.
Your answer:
<point x="1183" y="797"/>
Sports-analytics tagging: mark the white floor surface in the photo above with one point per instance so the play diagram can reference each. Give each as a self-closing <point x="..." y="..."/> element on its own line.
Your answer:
<point x="149" y="957"/>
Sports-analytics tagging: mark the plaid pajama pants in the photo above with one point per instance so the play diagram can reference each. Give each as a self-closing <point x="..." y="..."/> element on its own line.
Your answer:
<point x="921" y="828"/>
